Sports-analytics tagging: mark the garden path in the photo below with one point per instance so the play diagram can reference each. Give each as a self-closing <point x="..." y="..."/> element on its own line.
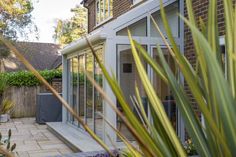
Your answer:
<point x="32" y="139"/>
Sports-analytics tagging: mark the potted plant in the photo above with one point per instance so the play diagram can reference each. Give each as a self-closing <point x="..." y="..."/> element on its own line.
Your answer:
<point x="3" y="86"/>
<point x="5" y="109"/>
<point x="190" y="148"/>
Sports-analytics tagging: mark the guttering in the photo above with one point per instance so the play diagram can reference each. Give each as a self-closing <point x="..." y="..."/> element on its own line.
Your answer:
<point x="81" y="43"/>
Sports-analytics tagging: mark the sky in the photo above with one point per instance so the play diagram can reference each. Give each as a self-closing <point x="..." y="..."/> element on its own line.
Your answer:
<point x="45" y="14"/>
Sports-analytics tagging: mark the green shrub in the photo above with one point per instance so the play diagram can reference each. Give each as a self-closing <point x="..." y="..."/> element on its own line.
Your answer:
<point x="2" y="84"/>
<point x="25" y="78"/>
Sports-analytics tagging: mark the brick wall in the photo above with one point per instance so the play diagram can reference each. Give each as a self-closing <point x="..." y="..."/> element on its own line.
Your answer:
<point x="120" y="7"/>
<point x="56" y="84"/>
<point x="91" y="15"/>
<point x="200" y="8"/>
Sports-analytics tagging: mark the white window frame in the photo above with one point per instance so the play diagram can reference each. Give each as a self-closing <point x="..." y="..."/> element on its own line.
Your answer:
<point x="100" y="20"/>
<point x="222" y="43"/>
<point x="136" y="1"/>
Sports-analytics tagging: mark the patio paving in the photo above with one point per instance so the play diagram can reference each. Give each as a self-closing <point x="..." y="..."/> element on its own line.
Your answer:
<point x="32" y="139"/>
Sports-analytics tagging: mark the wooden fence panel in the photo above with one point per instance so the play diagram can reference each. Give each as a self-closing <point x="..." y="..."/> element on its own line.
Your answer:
<point x="24" y="99"/>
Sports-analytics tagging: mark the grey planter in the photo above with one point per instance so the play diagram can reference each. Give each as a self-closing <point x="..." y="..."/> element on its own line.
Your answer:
<point x="4" y="118"/>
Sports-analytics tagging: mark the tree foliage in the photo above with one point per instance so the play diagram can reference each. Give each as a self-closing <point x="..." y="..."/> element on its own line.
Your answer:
<point x="15" y="17"/>
<point x="71" y="29"/>
<point x="15" y="20"/>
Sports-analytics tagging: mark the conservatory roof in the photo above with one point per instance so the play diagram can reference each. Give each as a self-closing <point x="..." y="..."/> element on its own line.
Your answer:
<point x="105" y="31"/>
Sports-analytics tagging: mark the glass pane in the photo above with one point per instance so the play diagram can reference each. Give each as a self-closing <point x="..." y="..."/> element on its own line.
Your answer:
<point x="163" y="91"/>
<point x="81" y="86"/>
<point x="223" y="58"/>
<point x="102" y="11"/>
<point x="137" y="29"/>
<point x="98" y="12"/>
<point x="107" y="8"/>
<point x="172" y="16"/>
<point x="74" y="83"/>
<point x="70" y="89"/>
<point x="128" y="76"/>
<point x="89" y="91"/>
<point x="111" y="8"/>
<point x="98" y="102"/>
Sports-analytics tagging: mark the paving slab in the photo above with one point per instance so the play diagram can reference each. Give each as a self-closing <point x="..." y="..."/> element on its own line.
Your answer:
<point x="44" y="153"/>
<point x="32" y="139"/>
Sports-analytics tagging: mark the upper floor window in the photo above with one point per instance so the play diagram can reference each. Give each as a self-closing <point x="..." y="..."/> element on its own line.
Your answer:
<point x="103" y="10"/>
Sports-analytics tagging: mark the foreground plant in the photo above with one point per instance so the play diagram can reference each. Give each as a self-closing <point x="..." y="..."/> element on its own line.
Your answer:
<point x="6" y="106"/>
<point x="213" y="92"/>
<point x="5" y="143"/>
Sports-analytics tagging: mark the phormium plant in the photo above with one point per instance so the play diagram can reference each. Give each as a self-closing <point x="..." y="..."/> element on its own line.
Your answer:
<point x="213" y="92"/>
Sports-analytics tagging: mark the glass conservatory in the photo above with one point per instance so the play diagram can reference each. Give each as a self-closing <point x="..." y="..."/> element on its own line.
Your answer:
<point x="113" y="49"/>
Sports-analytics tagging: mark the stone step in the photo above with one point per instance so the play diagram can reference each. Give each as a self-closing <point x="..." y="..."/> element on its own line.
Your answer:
<point x="76" y="139"/>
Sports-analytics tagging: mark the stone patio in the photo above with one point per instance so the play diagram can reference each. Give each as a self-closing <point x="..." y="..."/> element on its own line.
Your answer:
<point x="32" y="139"/>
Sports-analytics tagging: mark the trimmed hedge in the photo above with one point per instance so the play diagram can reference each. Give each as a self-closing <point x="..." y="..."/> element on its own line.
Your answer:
<point x="25" y="78"/>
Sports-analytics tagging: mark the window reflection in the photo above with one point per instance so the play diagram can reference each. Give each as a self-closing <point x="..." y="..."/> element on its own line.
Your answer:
<point x="128" y="75"/>
<point x="81" y="86"/>
<point x="82" y="95"/>
<point x="163" y="91"/>
<point x="74" y="82"/>
<point x="98" y="102"/>
<point x="89" y="91"/>
<point x="104" y="10"/>
<point x="70" y="89"/>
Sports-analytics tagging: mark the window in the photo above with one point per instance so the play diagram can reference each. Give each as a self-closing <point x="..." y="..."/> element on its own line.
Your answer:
<point x="163" y="90"/>
<point x="138" y="28"/>
<point x="223" y="55"/>
<point x="171" y="13"/>
<point x="103" y="10"/>
<point x="82" y="95"/>
<point x="128" y="75"/>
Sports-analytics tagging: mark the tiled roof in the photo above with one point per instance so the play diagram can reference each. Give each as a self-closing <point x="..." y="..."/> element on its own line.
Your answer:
<point x="41" y="55"/>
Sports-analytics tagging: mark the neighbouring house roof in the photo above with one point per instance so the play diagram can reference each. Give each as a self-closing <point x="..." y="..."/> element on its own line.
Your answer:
<point x="41" y="55"/>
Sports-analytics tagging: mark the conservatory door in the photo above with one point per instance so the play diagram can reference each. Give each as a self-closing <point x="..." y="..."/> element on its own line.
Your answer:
<point x="163" y="91"/>
<point x="128" y="77"/>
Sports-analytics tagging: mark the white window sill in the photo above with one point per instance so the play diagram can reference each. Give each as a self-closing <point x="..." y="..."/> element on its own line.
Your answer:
<point x="136" y="3"/>
<point x="104" y="21"/>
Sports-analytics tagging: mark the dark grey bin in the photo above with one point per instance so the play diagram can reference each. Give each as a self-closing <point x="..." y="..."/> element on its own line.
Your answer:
<point x="48" y="108"/>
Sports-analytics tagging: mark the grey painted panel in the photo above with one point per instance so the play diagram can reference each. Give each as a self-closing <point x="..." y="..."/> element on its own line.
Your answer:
<point x="48" y="108"/>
